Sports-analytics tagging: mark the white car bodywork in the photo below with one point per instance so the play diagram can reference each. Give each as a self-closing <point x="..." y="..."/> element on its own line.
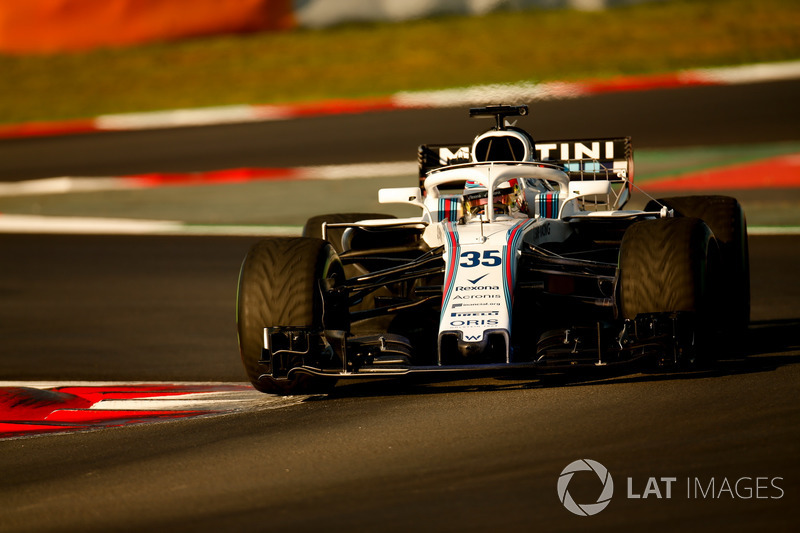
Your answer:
<point x="481" y="254"/>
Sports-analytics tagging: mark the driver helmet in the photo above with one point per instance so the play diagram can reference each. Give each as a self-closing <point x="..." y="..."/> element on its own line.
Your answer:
<point x="509" y="199"/>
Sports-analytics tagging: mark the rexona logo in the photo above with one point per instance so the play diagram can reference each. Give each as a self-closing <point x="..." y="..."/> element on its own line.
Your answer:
<point x="585" y="509"/>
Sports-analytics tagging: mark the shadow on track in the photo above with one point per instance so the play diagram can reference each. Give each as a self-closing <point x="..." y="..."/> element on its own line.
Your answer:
<point x="769" y="345"/>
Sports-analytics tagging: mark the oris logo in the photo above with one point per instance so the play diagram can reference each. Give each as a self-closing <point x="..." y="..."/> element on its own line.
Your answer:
<point x="468" y="323"/>
<point x="585" y="509"/>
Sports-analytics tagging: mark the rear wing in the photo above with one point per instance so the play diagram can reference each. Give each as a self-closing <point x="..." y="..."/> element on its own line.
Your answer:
<point x="608" y="159"/>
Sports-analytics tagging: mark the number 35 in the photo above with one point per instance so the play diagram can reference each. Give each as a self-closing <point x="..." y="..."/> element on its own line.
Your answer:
<point x="491" y="258"/>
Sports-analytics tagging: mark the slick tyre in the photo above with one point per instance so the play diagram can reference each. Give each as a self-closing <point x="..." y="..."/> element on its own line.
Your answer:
<point x="666" y="265"/>
<point x="727" y="221"/>
<point x="279" y="286"/>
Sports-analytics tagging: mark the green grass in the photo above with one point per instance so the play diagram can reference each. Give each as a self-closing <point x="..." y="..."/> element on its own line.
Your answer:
<point x="379" y="59"/>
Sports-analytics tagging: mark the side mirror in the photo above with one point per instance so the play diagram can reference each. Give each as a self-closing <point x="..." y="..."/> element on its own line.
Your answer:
<point x="589" y="188"/>
<point x="624" y="195"/>
<point x="401" y="195"/>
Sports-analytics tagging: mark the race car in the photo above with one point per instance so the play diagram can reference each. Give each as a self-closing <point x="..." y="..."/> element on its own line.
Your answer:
<point x="522" y="257"/>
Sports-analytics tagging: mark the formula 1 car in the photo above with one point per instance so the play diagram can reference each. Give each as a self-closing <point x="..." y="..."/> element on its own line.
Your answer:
<point x="522" y="257"/>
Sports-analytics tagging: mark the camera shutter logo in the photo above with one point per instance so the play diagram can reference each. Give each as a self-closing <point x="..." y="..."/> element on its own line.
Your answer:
<point x="587" y="509"/>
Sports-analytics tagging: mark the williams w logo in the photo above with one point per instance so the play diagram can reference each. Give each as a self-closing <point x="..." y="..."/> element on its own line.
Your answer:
<point x="586" y="509"/>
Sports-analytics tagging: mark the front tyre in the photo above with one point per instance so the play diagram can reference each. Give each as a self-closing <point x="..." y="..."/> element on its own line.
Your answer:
<point x="279" y="287"/>
<point x="666" y="267"/>
<point x="725" y="216"/>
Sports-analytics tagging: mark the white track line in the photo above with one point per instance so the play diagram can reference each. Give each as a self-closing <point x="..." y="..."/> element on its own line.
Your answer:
<point x="77" y="184"/>
<point x="121" y="226"/>
<point x="773" y="230"/>
<point x="455" y="97"/>
<point x="359" y="171"/>
<point x="84" y="225"/>
<point x="762" y="72"/>
<point x="190" y="117"/>
<point x="60" y="185"/>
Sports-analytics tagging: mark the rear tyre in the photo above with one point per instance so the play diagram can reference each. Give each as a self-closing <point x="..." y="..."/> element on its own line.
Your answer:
<point x="725" y="216"/>
<point x="279" y="286"/>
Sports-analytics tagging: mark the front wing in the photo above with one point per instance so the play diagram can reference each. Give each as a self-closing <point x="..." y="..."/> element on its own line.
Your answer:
<point x="588" y="334"/>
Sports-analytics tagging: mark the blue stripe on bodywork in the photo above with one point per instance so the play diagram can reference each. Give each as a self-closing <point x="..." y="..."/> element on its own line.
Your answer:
<point x="548" y="204"/>
<point x="448" y="209"/>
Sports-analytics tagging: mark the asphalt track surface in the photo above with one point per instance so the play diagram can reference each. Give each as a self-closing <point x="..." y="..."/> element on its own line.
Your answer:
<point x="479" y="454"/>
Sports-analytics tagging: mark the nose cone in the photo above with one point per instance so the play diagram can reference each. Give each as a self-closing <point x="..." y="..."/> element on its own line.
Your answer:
<point x="472" y="350"/>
